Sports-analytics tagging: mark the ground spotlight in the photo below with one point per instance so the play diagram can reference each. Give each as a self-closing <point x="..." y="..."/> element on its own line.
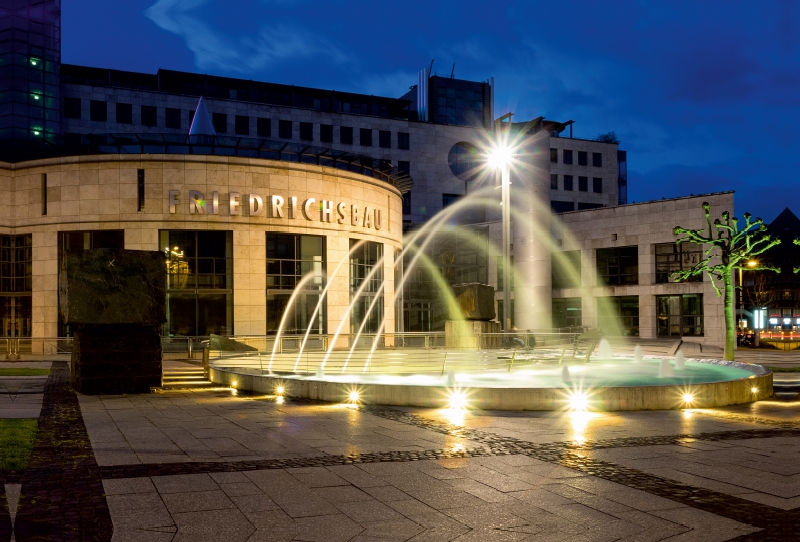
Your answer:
<point x="688" y="398"/>
<point x="754" y="389"/>
<point x="457" y="400"/>
<point x="353" y="396"/>
<point x="279" y="390"/>
<point x="233" y="384"/>
<point x="578" y="400"/>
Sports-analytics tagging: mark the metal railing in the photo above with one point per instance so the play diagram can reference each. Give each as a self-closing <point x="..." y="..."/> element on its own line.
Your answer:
<point x="393" y="353"/>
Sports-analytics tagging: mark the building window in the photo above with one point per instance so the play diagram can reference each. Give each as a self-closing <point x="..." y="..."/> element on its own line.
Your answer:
<point x="510" y="315"/>
<point x="365" y="137"/>
<point x="285" y="129"/>
<point x="583" y="158"/>
<point x="326" y="133"/>
<point x="567" y="312"/>
<point x="566" y="269"/>
<point x="306" y="131"/>
<point x="72" y="108"/>
<point x="680" y="315"/>
<point x="597" y="185"/>
<point x="241" y="125"/>
<point x="220" y="122"/>
<point x="124" y="113"/>
<point x="140" y="189"/>
<point x="366" y="275"/>
<point x="385" y="139"/>
<point x="264" y="127"/>
<point x="404" y="166"/>
<point x="44" y="194"/>
<point x="554" y="156"/>
<point x="98" y="110"/>
<point x="567" y="157"/>
<point x="562" y="206"/>
<point x="199" y="282"/>
<point x="403" y="142"/>
<point x="345" y="135"/>
<point x="583" y="184"/>
<point x="172" y="118"/>
<point x="597" y="159"/>
<point x="500" y="267"/>
<point x="673" y="257"/>
<point x="417" y="317"/>
<point x="290" y="259"/>
<point x="449" y="199"/>
<point x="567" y="182"/>
<point x="618" y="266"/>
<point x="618" y="315"/>
<point x="554" y="181"/>
<point x="16" y="285"/>
<point x="149" y="115"/>
<point x="407" y="203"/>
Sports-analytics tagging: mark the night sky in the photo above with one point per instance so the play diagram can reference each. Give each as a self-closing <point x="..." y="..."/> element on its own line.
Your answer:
<point x="703" y="95"/>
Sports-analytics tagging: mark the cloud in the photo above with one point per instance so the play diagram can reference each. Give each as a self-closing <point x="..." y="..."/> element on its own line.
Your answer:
<point x="213" y="49"/>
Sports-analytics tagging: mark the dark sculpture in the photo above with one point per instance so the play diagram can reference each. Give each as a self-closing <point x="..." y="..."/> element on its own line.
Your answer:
<point x="476" y="301"/>
<point x="115" y="300"/>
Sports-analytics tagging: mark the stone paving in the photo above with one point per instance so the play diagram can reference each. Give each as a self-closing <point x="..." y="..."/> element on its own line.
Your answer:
<point x="214" y="465"/>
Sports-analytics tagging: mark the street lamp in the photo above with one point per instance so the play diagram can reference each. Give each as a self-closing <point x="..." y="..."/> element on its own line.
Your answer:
<point x="500" y="157"/>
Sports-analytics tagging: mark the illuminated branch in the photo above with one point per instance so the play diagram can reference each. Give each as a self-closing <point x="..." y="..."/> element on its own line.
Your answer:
<point x="731" y="248"/>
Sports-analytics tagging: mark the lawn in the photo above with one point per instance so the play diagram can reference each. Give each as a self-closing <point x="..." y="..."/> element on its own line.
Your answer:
<point x="17" y="436"/>
<point x="23" y="371"/>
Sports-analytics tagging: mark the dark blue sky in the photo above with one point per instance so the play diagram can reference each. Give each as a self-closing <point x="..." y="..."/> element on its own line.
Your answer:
<point x="704" y="95"/>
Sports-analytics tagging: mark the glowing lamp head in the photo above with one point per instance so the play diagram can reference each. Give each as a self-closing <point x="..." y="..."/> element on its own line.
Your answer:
<point x="457" y="400"/>
<point x="499" y="156"/>
<point x="353" y="396"/>
<point x="233" y="384"/>
<point x="279" y="390"/>
<point x="754" y="389"/>
<point x="688" y="398"/>
<point x="752" y="263"/>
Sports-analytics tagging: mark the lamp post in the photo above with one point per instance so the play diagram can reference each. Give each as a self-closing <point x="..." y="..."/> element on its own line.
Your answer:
<point x="751" y="264"/>
<point x="500" y="157"/>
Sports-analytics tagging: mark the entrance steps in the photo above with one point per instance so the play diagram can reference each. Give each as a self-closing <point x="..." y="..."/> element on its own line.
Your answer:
<point x="182" y="375"/>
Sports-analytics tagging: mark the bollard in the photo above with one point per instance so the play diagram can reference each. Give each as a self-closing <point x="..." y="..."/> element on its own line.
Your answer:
<point x="205" y="362"/>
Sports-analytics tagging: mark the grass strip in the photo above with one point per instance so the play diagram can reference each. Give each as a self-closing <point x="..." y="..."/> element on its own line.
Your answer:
<point x="17" y="436"/>
<point x="23" y="371"/>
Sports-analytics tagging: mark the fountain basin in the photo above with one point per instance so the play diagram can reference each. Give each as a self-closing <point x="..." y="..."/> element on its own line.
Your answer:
<point x="627" y="386"/>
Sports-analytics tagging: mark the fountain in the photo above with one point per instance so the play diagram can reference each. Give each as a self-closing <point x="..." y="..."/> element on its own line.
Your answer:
<point x="680" y="361"/>
<point x="471" y="361"/>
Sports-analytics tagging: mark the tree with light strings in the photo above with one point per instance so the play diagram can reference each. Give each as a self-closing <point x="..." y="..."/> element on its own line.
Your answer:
<point x="729" y="248"/>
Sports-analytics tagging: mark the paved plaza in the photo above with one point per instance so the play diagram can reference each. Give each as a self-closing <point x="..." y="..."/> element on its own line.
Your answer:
<point x="216" y="464"/>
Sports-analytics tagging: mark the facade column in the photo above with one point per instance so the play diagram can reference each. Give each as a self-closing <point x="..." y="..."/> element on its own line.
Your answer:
<point x="44" y="298"/>
<point x="389" y="312"/>
<point x="647" y="301"/>
<point x="338" y="298"/>
<point x="249" y="282"/>
<point x="530" y="234"/>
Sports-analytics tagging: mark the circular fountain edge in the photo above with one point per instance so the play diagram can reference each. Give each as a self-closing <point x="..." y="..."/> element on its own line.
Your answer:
<point x="657" y="397"/>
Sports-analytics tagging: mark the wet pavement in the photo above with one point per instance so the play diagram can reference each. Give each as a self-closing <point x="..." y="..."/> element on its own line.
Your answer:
<point x="221" y="465"/>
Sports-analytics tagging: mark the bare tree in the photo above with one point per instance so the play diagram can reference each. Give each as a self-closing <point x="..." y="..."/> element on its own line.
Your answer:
<point x="730" y="248"/>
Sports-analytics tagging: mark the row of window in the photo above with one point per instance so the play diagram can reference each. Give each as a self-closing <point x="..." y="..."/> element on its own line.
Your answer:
<point x="583" y="157"/>
<point x="583" y="183"/>
<point x="98" y="111"/>
<point x="567" y="206"/>
<point x="676" y="315"/>
<point x="619" y="266"/>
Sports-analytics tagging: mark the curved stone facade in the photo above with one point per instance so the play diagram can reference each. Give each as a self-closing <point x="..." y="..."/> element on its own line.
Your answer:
<point x="193" y="192"/>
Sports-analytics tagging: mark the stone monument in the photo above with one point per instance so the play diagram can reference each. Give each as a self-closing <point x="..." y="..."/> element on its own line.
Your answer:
<point x="477" y="330"/>
<point x="115" y="300"/>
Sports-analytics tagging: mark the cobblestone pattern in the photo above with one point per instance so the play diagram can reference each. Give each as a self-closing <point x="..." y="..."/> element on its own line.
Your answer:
<point x="62" y="493"/>
<point x="776" y="524"/>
